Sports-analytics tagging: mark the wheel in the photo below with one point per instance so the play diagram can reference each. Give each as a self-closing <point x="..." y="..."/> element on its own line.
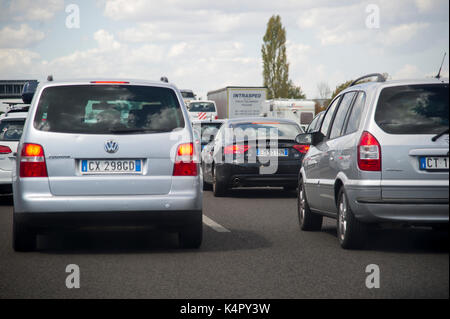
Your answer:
<point x="219" y="188"/>
<point x="308" y="220"/>
<point x="207" y="187"/>
<point x="24" y="239"/>
<point x="191" y="235"/>
<point x="352" y="234"/>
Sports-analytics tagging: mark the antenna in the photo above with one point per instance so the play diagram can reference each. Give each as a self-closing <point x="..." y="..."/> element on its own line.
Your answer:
<point x="438" y="76"/>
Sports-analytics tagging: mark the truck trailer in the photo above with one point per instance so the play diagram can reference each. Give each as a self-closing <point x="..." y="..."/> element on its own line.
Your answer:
<point x="238" y="101"/>
<point x="301" y="111"/>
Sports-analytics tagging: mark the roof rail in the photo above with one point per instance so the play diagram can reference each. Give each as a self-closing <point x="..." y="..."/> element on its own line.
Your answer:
<point x="380" y="78"/>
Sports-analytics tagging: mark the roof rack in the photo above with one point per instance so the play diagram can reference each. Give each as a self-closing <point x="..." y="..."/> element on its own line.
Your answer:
<point x="380" y="78"/>
<point x="164" y="79"/>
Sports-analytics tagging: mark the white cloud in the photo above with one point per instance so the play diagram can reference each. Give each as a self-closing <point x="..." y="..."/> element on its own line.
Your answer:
<point x="21" y="37"/>
<point x="17" y="62"/>
<point x="401" y="34"/>
<point x="408" y="71"/>
<point x="177" y="49"/>
<point x="36" y="10"/>
<point x="144" y="32"/>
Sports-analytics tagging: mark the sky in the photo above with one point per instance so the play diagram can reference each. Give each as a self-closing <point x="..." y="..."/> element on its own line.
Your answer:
<point x="206" y="45"/>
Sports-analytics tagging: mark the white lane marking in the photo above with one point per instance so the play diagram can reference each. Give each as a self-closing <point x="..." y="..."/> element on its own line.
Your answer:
<point x="218" y="228"/>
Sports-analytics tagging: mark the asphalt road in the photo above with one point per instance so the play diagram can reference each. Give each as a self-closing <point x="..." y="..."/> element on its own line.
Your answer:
<point x="252" y="248"/>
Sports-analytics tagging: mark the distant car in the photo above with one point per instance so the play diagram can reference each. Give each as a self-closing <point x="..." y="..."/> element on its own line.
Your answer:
<point x="380" y="155"/>
<point x="115" y="153"/>
<point x="207" y="130"/>
<point x="188" y="96"/>
<point x="11" y="128"/>
<point x="203" y="111"/>
<point x="243" y="151"/>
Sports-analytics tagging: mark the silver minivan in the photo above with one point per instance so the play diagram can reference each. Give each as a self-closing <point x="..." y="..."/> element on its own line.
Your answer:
<point x="381" y="154"/>
<point x="106" y="153"/>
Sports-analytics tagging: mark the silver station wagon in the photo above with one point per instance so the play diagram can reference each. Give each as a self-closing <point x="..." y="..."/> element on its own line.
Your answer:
<point x="381" y="154"/>
<point x="106" y="153"/>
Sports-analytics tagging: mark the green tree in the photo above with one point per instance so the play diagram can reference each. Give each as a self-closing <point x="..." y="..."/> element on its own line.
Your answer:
<point x="295" y="92"/>
<point x="275" y="65"/>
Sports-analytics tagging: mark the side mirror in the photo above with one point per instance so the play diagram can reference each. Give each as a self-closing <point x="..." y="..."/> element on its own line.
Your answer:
<point x="309" y="138"/>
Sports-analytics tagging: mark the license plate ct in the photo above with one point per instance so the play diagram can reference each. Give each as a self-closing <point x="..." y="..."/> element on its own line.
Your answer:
<point x="269" y="152"/>
<point x="111" y="166"/>
<point x="432" y="163"/>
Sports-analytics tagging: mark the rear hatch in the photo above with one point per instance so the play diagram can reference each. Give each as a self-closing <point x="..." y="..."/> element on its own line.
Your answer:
<point x="109" y="139"/>
<point x="10" y="133"/>
<point x="263" y="144"/>
<point x="415" y="146"/>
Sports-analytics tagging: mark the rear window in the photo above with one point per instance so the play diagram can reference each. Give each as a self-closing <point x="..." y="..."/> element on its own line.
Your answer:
<point x="11" y="130"/>
<point x="108" y="109"/>
<point x="284" y="131"/>
<point x="413" y="109"/>
<point x="201" y="107"/>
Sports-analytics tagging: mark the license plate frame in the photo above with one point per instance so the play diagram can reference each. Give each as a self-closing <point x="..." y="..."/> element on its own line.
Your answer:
<point x="105" y="167"/>
<point x="269" y="152"/>
<point x="434" y="163"/>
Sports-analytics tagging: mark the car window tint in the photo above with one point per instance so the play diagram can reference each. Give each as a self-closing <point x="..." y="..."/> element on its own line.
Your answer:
<point x="341" y="113"/>
<point x="355" y="116"/>
<point x="312" y="125"/>
<point x="201" y="107"/>
<point x="328" y="116"/>
<point x="106" y="109"/>
<point x="413" y="109"/>
<point x="11" y="130"/>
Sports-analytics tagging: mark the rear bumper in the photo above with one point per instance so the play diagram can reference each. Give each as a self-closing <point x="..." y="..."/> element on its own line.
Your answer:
<point x="368" y="206"/>
<point x="249" y="175"/>
<point x="80" y="220"/>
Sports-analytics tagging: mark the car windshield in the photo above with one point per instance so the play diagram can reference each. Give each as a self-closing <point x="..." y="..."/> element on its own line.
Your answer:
<point x="202" y="107"/>
<point x="264" y="130"/>
<point x="11" y="130"/>
<point x="208" y="131"/>
<point x="413" y="109"/>
<point x="108" y="109"/>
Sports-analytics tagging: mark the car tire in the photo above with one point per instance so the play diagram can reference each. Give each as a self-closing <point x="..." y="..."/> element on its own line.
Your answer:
<point x="191" y="235"/>
<point x="219" y="187"/>
<point x="307" y="220"/>
<point x="352" y="234"/>
<point x="207" y="187"/>
<point x="24" y="239"/>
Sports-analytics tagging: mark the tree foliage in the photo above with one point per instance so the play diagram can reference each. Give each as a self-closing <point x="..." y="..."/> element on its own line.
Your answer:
<point x="275" y="65"/>
<point x="295" y="92"/>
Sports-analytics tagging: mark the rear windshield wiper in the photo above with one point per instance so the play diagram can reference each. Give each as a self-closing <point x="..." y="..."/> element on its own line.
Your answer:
<point x="436" y="137"/>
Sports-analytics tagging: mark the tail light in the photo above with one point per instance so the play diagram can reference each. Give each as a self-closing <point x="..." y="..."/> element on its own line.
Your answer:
<point x="4" y="149"/>
<point x="184" y="161"/>
<point x="302" y="148"/>
<point x="32" y="161"/>
<point x="216" y="117"/>
<point x="369" y="153"/>
<point x="236" y="149"/>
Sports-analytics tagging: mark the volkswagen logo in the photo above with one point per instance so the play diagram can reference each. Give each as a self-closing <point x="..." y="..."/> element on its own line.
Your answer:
<point x="111" y="146"/>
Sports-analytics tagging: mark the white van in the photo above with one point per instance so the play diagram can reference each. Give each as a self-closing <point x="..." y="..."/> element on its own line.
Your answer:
<point x="202" y="111"/>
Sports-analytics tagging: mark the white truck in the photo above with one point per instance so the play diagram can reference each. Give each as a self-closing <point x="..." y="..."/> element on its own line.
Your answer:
<point x="301" y="111"/>
<point x="238" y="101"/>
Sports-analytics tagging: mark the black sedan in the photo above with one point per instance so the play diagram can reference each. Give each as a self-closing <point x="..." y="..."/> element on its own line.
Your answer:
<point x="253" y="152"/>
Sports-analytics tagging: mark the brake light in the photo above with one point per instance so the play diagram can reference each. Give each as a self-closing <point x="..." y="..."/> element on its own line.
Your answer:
<point x="184" y="161"/>
<point x="4" y="149"/>
<point x="110" y="82"/>
<point x="369" y="153"/>
<point x="302" y="148"/>
<point x="216" y="117"/>
<point x="236" y="149"/>
<point x="32" y="161"/>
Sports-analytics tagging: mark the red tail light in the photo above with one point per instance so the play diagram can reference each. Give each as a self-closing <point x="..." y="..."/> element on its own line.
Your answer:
<point x="184" y="161"/>
<point x="369" y="153"/>
<point x="236" y="149"/>
<point x="302" y="148"/>
<point x="4" y="149"/>
<point x="32" y="161"/>
<point x="216" y="117"/>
